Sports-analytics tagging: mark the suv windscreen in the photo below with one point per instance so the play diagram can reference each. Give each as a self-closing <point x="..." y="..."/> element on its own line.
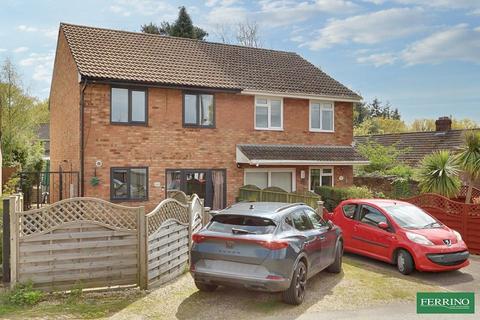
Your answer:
<point x="232" y="223"/>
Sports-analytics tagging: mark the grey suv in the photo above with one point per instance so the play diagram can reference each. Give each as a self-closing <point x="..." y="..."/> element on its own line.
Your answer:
<point x="266" y="246"/>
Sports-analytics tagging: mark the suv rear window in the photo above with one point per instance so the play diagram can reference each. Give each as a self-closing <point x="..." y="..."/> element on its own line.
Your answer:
<point x="256" y="225"/>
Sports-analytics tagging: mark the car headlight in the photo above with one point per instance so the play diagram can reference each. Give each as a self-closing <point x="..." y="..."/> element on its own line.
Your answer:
<point x="418" y="238"/>
<point x="458" y="235"/>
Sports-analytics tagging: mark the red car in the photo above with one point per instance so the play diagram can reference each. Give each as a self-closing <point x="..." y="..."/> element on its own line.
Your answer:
<point x="399" y="233"/>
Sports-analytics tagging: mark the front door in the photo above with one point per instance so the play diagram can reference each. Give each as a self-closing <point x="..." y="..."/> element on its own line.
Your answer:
<point x="208" y="184"/>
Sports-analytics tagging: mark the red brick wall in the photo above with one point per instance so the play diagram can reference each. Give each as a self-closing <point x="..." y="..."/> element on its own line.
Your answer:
<point x="64" y="112"/>
<point x="164" y="143"/>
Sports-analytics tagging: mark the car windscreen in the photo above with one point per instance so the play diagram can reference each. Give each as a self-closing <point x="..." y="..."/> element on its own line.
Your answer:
<point x="238" y="224"/>
<point x="411" y="217"/>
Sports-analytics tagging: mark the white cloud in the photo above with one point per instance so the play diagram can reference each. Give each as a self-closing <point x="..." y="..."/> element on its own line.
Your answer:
<point x="287" y="12"/>
<point x="460" y="43"/>
<point x="20" y="49"/>
<point x="211" y="3"/>
<point x="42" y="64"/>
<point x="443" y="4"/>
<point x="378" y="59"/>
<point x="37" y="58"/>
<point x="370" y="28"/>
<point x="143" y="7"/>
<point x="226" y="15"/>
<point x="25" y="28"/>
<point x="3" y="50"/>
<point x="47" y="32"/>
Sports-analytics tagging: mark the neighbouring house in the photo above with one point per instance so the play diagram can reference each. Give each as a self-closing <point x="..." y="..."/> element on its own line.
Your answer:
<point x="417" y="145"/>
<point x="43" y="135"/>
<point x="143" y="114"/>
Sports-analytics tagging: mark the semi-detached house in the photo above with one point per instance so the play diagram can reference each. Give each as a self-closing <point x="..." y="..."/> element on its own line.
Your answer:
<point x="146" y="114"/>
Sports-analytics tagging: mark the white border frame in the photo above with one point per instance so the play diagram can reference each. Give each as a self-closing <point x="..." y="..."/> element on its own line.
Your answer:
<point x="269" y="171"/>
<point x="321" y="168"/>
<point x="269" y="113"/>
<point x="320" y="102"/>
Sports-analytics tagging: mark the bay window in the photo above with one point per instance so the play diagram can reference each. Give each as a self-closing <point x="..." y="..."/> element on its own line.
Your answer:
<point x="268" y="113"/>
<point x="321" y="116"/>
<point x="263" y="178"/>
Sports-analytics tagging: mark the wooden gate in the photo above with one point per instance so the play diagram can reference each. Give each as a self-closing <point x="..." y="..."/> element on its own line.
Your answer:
<point x="463" y="217"/>
<point x="169" y="227"/>
<point x="79" y="241"/>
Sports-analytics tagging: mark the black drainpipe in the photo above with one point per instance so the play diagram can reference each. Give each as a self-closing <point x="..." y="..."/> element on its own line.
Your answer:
<point x="82" y="133"/>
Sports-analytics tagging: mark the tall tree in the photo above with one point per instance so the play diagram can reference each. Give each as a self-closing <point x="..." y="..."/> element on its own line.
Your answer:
<point x="20" y="117"/>
<point x="182" y="27"/>
<point x="245" y="33"/>
<point x="469" y="158"/>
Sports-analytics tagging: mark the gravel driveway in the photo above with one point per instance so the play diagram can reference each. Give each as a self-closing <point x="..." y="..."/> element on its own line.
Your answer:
<point x="358" y="286"/>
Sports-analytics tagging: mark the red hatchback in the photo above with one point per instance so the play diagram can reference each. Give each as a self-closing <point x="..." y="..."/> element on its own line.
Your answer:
<point x="399" y="233"/>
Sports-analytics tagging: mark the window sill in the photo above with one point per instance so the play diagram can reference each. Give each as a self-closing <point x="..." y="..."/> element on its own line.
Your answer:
<point x="320" y="130"/>
<point x="137" y="124"/>
<point x="193" y="126"/>
<point x="269" y="129"/>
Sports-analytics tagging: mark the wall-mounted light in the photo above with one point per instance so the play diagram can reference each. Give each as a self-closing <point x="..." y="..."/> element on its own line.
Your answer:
<point x="302" y="174"/>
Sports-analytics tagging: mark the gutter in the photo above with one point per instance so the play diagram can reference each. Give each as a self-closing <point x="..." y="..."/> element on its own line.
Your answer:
<point x="266" y="162"/>
<point x="82" y="139"/>
<point x="301" y="96"/>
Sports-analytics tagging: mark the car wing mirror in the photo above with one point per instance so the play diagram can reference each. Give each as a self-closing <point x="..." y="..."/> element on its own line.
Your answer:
<point x="330" y="224"/>
<point x="383" y="225"/>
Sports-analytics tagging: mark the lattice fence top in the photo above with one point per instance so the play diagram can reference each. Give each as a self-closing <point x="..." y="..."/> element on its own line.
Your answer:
<point x="167" y="209"/>
<point x="196" y="206"/>
<point x="178" y="195"/>
<point x="450" y="207"/>
<point x="77" y="209"/>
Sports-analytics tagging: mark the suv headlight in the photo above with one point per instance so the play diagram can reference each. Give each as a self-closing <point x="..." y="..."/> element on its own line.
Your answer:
<point x="458" y="235"/>
<point x="418" y="238"/>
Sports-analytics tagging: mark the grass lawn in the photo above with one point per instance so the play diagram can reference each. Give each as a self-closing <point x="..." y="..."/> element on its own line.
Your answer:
<point x="65" y="306"/>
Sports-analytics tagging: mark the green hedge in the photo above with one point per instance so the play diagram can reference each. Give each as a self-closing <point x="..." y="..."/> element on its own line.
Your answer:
<point x="333" y="196"/>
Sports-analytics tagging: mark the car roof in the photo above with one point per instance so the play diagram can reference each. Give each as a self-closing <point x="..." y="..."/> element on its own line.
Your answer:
<point x="377" y="202"/>
<point x="270" y="210"/>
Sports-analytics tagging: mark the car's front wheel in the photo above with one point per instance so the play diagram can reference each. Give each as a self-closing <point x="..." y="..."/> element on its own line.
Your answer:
<point x="205" y="287"/>
<point x="405" y="263"/>
<point x="296" y="292"/>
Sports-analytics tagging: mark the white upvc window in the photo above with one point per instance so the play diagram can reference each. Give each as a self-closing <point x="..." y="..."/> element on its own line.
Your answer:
<point x="322" y="116"/>
<point x="263" y="178"/>
<point x="268" y="113"/>
<point x="320" y="176"/>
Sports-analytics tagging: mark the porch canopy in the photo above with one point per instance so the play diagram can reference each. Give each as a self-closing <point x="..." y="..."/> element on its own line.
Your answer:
<point x="297" y="154"/>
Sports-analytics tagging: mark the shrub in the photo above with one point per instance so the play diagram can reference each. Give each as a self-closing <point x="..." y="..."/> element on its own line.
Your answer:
<point x="333" y="196"/>
<point x="24" y="294"/>
<point x="401" y="188"/>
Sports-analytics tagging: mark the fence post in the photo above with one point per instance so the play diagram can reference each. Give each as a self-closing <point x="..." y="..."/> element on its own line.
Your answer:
<point x="6" y="241"/>
<point x="320" y="208"/>
<point x="14" y="231"/>
<point x="142" y="245"/>
<point x="190" y="229"/>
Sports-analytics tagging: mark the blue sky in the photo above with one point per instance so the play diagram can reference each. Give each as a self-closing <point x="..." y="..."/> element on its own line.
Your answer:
<point x="423" y="56"/>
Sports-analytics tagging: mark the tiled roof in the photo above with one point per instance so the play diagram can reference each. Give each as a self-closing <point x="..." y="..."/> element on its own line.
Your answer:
<point x="295" y="152"/>
<point x="131" y="56"/>
<point x="418" y="144"/>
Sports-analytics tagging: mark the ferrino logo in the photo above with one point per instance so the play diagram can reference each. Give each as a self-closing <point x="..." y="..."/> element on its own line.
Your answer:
<point x="445" y="302"/>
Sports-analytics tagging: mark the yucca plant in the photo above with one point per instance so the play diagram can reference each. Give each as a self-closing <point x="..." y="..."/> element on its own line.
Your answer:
<point x="439" y="174"/>
<point x="469" y="159"/>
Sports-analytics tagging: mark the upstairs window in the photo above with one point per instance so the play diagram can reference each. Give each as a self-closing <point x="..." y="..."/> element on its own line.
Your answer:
<point x="321" y="116"/>
<point x="198" y="110"/>
<point x="128" y="106"/>
<point x="268" y="113"/>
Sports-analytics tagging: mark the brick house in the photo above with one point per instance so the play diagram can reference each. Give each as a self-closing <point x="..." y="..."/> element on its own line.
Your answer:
<point x="146" y="114"/>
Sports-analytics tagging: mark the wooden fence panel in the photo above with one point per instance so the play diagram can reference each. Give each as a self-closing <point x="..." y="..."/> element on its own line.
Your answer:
<point x="168" y="232"/>
<point x="463" y="217"/>
<point x="80" y="241"/>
